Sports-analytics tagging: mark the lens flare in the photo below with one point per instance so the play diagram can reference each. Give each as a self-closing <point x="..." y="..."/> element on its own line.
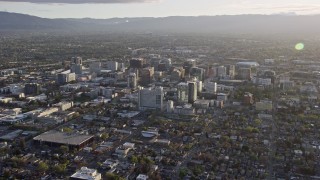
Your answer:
<point x="299" y="46"/>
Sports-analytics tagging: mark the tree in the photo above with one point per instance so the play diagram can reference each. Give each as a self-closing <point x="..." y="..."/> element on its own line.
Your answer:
<point x="111" y="176"/>
<point x="67" y="130"/>
<point x="64" y="149"/>
<point x="60" y="168"/>
<point x="155" y="176"/>
<point x="22" y="143"/>
<point x="6" y="173"/>
<point x="104" y="136"/>
<point x="183" y="172"/>
<point x="42" y="167"/>
<point x="134" y="159"/>
<point x="197" y="170"/>
<point x="4" y="151"/>
<point x="257" y="122"/>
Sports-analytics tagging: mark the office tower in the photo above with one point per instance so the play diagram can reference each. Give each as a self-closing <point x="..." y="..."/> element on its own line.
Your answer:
<point x="137" y="63"/>
<point x="158" y="75"/>
<point x="222" y="71"/>
<point x="231" y="71"/>
<point x="155" y="61"/>
<point x="121" y="67"/>
<point x="170" y="107"/>
<point x="211" y="87"/>
<point x="198" y="73"/>
<point x="199" y="86"/>
<point x="112" y="65"/>
<point x="151" y="98"/>
<point x="76" y="60"/>
<point x="65" y="77"/>
<point x="165" y="64"/>
<point x="245" y="73"/>
<point x="95" y="67"/>
<point x="190" y="63"/>
<point x="32" y="88"/>
<point x="175" y="75"/>
<point x="192" y="92"/>
<point x="212" y="72"/>
<point x="76" y="68"/>
<point x="132" y="80"/>
<point x="147" y="75"/>
<point x="182" y="92"/>
<point x="76" y="65"/>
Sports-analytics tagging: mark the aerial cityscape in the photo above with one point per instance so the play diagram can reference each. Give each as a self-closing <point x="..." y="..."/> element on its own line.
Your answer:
<point x="172" y="97"/>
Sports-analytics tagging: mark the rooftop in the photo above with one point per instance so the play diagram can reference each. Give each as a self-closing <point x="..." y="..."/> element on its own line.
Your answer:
<point x="62" y="138"/>
<point x="86" y="173"/>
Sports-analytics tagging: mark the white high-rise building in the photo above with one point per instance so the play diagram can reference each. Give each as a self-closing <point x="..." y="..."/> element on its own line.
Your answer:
<point x="151" y="98"/>
<point x="170" y="106"/>
<point x="199" y="86"/>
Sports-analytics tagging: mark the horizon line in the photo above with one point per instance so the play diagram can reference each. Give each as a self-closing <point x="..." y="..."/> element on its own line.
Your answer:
<point x="292" y="14"/>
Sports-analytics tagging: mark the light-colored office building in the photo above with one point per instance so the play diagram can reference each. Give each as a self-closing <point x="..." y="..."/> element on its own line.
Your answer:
<point x="151" y="98"/>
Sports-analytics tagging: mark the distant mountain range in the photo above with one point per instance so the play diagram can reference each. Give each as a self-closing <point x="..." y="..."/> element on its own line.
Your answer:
<point x="236" y="24"/>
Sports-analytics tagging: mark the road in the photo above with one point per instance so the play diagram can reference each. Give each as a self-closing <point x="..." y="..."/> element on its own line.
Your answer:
<point x="272" y="140"/>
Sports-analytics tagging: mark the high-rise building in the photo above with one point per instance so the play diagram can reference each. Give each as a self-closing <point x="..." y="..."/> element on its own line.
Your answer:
<point x="121" y="67"/>
<point x="147" y="75"/>
<point x="158" y="75"/>
<point x="212" y="72"/>
<point x="175" y="75"/>
<point x="76" y="60"/>
<point x="198" y="73"/>
<point x="76" y="65"/>
<point x="211" y="87"/>
<point x="199" y="86"/>
<point x="231" y="71"/>
<point x="192" y="92"/>
<point x="166" y="62"/>
<point x="95" y="67"/>
<point x="170" y="106"/>
<point x="182" y="92"/>
<point x="222" y="71"/>
<point x="32" y="88"/>
<point x="76" y="68"/>
<point x="151" y="98"/>
<point x="190" y="63"/>
<point x="155" y="61"/>
<point x="137" y="63"/>
<point x="65" y="77"/>
<point x="132" y="80"/>
<point x="112" y="65"/>
<point x="245" y="73"/>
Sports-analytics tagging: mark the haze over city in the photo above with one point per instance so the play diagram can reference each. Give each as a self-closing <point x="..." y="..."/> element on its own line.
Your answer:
<point x="157" y="8"/>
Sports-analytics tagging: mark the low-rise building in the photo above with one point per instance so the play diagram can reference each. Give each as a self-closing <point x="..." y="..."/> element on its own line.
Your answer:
<point x="86" y="174"/>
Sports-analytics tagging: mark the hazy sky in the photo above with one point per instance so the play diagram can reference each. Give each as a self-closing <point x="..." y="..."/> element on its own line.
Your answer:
<point x="156" y="8"/>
